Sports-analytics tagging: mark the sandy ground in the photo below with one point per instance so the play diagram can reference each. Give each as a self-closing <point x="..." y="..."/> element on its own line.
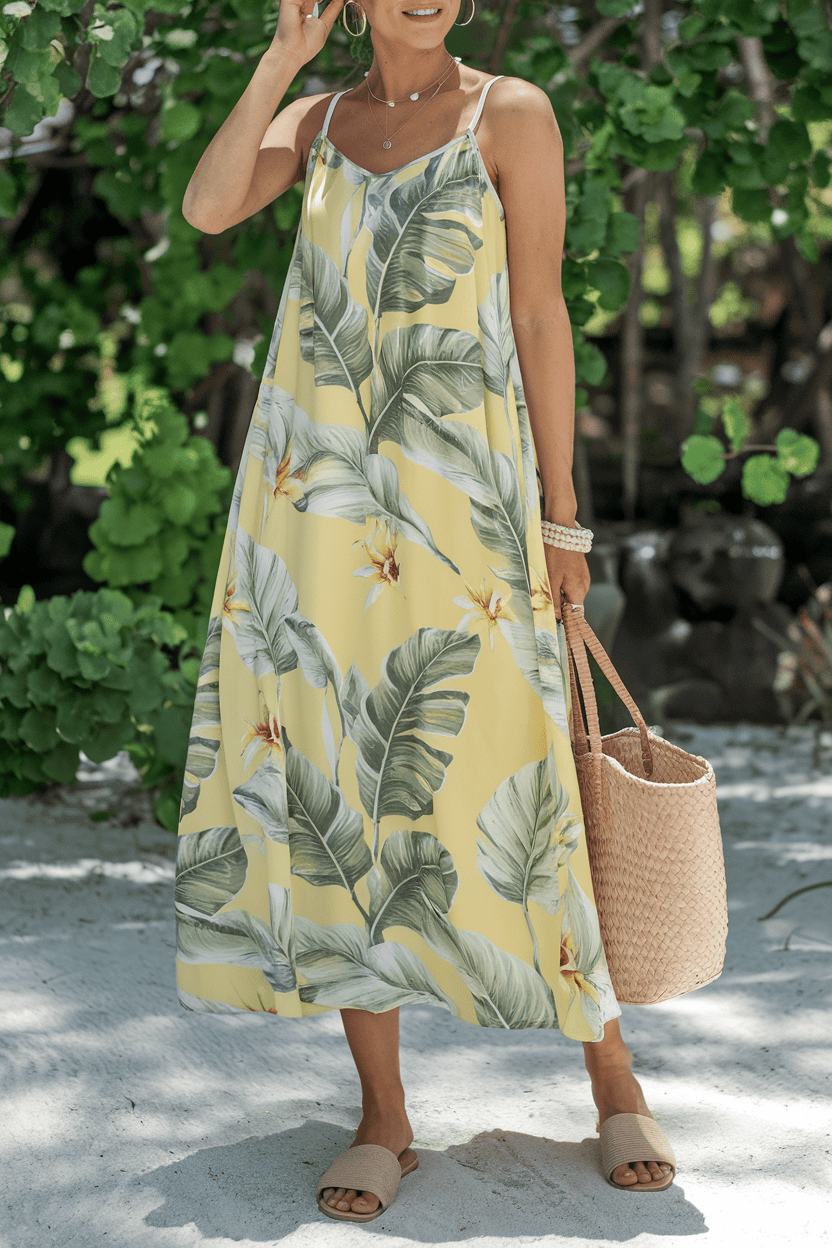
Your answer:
<point x="128" y="1121"/>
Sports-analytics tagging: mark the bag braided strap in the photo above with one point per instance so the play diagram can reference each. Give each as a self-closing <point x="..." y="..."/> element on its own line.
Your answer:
<point x="365" y="1168"/>
<point x="627" y="1138"/>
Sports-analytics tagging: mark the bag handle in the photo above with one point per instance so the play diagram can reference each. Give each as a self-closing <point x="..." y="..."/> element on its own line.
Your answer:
<point x="579" y="639"/>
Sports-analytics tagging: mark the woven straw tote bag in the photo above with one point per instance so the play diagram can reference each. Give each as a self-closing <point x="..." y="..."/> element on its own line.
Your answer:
<point x="655" y="851"/>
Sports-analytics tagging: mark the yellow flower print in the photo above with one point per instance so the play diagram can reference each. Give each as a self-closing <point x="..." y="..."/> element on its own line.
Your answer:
<point x="286" y="482"/>
<point x="569" y="967"/>
<point x="487" y="604"/>
<point x="542" y="593"/>
<point x="383" y="568"/>
<point x="261" y="740"/>
<point x="231" y="605"/>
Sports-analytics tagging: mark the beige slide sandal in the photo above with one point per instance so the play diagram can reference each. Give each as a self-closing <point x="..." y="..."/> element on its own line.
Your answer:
<point x="627" y="1138"/>
<point x="364" y="1168"/>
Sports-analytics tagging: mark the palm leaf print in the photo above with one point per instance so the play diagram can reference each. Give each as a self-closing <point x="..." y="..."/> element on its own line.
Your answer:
<point x="320" y="668"/>
<point x="337" y="477"/>
<point x="398" y="773"/>
<point x="528" y="833"/>
<point x="539" y="657"/>
<point x="333" y="326"/>
<point x="263" y="796"/>
<point x="501" y="368"/>
<point x="344" y="970"/>
<point x="519" y="850"/>
<point x="462" y="456"/>
<point x="422" y="372"/>
<point x="210" y="870"/>
<point x="353" y="689"/>
<point x="267" y="595"/>
<point x="201" y="761"/>
<point x="418" y="250"/>
<point x="583" y="964"/>
<point x="236" y="938"/>
<point x="507" y="992"/>
<point x="201" y="1005"/>
<point x="326" y="837"/>
<point x="414" y="873"/>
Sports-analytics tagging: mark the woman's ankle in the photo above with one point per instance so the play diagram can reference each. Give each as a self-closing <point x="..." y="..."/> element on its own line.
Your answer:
<point x="384" y="1106"/>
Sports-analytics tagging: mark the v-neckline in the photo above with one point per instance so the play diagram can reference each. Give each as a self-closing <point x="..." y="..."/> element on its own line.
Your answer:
<point x="386" y="173"/>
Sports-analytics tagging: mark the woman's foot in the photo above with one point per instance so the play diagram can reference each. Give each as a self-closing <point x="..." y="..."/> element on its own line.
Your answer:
<point x="615" y="1090"/>
<point x="390" y="1130"/>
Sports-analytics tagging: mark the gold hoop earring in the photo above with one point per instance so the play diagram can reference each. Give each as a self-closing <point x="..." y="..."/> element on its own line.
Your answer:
<point x="355" y="33"/>
<point x="471" y="18"/>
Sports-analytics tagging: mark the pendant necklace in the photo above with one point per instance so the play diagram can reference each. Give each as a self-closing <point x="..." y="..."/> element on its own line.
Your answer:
<point x="414" y="96"/>
<point x="388" y="142"/>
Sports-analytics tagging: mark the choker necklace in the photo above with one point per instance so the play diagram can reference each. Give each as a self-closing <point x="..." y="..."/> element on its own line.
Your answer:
<point x="388" y="142"/>
<point x="415" y="95"/>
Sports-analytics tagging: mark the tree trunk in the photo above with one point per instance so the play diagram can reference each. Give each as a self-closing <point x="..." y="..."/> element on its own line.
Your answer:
<point x="632" y="362"/>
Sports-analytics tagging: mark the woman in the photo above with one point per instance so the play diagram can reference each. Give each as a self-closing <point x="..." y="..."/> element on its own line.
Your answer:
<point x="385" y="583"/>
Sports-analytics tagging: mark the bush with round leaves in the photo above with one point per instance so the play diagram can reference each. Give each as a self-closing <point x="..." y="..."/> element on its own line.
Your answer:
<point x="92" y="672"/>
<point x="161" y="529"/>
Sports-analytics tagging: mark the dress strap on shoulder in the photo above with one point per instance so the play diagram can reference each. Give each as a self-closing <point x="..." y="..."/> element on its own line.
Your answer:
<point x="329" y="111"/>
<point x="483" y="94"/>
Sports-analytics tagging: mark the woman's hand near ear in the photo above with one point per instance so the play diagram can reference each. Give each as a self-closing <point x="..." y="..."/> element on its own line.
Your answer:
<point x="299" y="34"/>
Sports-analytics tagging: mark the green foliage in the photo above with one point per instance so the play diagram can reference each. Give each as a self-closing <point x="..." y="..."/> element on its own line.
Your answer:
<point x="160" y="532"/>
<point x="157" y="84"/>
<point x="765" y="477"/>
<point x="83" y="673"/>
<point x="615" y="113"/>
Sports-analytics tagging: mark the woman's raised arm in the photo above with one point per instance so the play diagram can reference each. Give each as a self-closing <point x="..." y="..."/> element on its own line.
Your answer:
<point x="252" y="159"/>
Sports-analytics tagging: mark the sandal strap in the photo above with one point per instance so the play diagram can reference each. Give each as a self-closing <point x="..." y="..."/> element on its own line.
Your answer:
<point x="627" y="1138"/>
<point x="365" y="1168"/>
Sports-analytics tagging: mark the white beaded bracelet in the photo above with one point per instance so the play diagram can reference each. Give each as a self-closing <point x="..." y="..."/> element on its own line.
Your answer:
<point x="578" y="539"/>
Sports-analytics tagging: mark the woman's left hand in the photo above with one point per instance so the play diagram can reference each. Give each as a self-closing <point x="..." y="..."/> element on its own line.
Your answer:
<point x="568" y="572"/>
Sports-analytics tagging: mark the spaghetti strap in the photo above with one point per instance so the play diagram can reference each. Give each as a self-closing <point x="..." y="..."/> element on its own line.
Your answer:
<point x="483" y="94"/>
<point x="332" y="104"/>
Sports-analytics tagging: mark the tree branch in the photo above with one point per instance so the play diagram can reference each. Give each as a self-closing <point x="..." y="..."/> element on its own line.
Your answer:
<point x="501" y="42"/>
<point x="759" y="80"/>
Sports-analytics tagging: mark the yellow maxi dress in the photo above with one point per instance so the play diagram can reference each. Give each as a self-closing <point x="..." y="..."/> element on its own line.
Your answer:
<point x="380" y="803"/>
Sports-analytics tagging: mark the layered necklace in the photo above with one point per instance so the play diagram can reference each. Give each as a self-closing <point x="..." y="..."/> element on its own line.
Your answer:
<point x="388" y="140"/>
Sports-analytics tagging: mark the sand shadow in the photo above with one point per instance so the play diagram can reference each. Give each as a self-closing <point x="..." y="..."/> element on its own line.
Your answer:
<point x="500" y="1184"/>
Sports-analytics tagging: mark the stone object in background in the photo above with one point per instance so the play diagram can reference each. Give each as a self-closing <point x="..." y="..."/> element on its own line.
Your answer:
<point x="721" y="562"/>
<point x="689" y="643"/>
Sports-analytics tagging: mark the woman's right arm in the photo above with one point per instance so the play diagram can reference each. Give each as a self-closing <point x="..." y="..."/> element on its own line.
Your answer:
<point x="252" y="159"/>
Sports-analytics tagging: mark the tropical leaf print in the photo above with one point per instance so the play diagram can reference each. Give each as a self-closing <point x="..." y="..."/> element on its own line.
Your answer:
<point x="319" y="666"/>
<point x="415" y="873"/>
<point x="201" y="1005"/>
<point x="539" y="657"/>
<point x="519" y="849"/>
<point x="353" y="689"/>
<point x="501" y="369"/>
<point x="344" y="970"/>
<point x="326" y="471"/>
<point x="418" y="250"/>
<point x="462" y="456"/>
<point x="326" y="837"/>
<point x="334" y="335"/>
<point x="266" y="595"/>
<point x="583" y="964"/>
<point x="236" y="938"/>
<point x="263" y="796"/>
<point x="423" y="372"/>
<point x="398" y="773"/>
<point x="507" y="992"/>
<point x="201" y="760"/>
<point x="210" y="870"/>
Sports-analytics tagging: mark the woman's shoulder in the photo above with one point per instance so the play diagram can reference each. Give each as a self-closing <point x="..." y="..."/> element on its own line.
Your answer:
<point x="515" y="99"/>
<point x="519" y="119"/>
